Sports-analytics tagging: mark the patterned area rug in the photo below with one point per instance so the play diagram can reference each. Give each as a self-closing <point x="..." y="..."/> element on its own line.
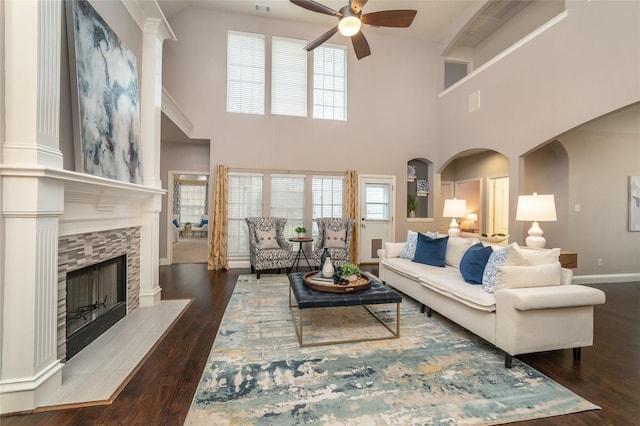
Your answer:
<point x="435" y="373"/>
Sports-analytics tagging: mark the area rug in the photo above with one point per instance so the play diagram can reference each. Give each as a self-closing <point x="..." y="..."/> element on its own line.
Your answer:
<point x="191" y="250"/>
<point x="435" y="373"/>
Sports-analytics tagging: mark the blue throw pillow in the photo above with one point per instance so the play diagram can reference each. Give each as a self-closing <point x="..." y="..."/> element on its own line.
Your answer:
<point x="175" y="222"/>
<point x="430" y="251"/>
<point x="203" y="222"/>
<point x="473" y="263"/>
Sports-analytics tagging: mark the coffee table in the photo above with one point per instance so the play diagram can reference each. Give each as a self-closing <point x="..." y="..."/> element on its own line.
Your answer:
<point x="308" y="298"/>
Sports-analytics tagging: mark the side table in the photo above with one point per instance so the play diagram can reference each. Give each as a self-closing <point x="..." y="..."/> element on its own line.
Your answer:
<point x="301" y="241"/>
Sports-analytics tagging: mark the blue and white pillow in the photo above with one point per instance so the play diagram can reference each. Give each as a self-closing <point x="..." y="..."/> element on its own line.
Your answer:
<point x="409" y="250"/>
<point x="504" y="256"/>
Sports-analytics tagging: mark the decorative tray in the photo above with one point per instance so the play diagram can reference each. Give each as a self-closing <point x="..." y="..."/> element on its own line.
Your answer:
<point x="362" y="283"/>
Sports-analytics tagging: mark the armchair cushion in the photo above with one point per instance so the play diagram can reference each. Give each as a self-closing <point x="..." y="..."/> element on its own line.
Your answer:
<point x="337" y="239"/>
<point x="267" y="239"/>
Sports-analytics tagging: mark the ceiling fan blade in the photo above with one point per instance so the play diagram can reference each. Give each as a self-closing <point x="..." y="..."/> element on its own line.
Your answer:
<point x="314" y="6"/>
<point x="360" y="45"/>
<point x="390" y="18"/>
<point x="324" y="37"/>
<point x="357" y="5"/>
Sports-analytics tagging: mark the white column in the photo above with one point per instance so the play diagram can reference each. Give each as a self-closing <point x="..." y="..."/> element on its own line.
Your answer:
<point x="154" y="34"/>
<point x="31" y="204"/>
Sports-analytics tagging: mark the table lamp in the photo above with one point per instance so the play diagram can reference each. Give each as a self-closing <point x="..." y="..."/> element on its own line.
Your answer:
<point x="454" y="208"/>
<point x="538" y="208"/>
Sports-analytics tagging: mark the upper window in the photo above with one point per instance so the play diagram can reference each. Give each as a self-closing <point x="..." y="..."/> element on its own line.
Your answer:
<point x="329" y="83"/>
<point x="245" y="72"/>
<point x="288" y="77"/>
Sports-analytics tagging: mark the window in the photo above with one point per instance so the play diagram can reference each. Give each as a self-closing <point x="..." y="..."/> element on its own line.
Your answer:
<point x="288" y="77"/>
<point x="377" y="199"/>
<point x="244" y="200"/>
<point x="327" y="198"/>
<point x="287" y="200"/>
<point x="329" y="83"/>
<point x="245" y="73"/>
<point x="280" y="195"/>
<point x="192" y="202"/>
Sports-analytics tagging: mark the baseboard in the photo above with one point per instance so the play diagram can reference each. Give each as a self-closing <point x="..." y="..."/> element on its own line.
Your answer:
<point x="606" y="278"/>
<point x="237" y="264"/>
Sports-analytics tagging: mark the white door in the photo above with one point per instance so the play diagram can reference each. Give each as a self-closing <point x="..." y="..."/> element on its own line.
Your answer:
<point x="499" y="206"/>
<point x="376" y="214"/>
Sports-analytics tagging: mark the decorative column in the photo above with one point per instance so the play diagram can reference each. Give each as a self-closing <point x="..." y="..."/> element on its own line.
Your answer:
<point x="32" y="202"/>
<point x="154" y="32"/>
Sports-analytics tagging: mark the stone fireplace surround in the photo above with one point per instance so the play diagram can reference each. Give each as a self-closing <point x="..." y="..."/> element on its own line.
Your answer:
<point x="81" y="250"/>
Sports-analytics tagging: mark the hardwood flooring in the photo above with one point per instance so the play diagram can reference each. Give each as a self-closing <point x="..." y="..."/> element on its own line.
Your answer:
<point x="160" y="393"/>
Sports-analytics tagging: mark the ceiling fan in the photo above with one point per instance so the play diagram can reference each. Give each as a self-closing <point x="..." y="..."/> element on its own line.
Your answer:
<point x="350" y="19"/>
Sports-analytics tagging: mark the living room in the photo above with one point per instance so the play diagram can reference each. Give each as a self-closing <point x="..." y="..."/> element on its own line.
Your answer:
<point x="558" y="90"/>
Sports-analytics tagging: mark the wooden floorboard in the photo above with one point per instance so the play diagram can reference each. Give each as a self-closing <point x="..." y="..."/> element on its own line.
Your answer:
<point x="161" y="392"/>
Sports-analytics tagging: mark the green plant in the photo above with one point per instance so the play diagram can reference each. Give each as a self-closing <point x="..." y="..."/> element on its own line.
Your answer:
<point x="187" y="224"/>
<point x="412" y="203"/>
<point x="349" y="269"/>
<point x="300" y="229"/>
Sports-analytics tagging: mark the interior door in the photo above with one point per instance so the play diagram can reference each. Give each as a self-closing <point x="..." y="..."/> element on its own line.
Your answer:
<point x="376" y="214"/>
<point x="499" y="205"/>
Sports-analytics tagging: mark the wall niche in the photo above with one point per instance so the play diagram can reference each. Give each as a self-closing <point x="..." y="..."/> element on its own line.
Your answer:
<point x="419" y="203"/>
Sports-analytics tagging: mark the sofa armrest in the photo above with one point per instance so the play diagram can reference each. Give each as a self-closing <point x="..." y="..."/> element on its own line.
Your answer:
<point x="562" y="296"/>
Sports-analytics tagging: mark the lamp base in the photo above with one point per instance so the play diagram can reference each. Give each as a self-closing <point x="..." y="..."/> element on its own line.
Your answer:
<point x="454" y="229"/>
<point x="535" y="238"/>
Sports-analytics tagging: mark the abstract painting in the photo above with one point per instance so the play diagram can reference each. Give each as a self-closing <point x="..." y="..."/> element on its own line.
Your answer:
<point x="634" y="203"/>
<point x="106" y="116"/>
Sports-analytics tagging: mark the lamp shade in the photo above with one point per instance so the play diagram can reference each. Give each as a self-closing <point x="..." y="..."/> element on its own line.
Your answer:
<point x="539" y="208"/>
<point x="472" y="216"/>
<point x="454" y="208"/>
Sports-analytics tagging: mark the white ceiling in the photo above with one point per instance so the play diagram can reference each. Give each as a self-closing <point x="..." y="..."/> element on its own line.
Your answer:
<point x="434" y="18"/>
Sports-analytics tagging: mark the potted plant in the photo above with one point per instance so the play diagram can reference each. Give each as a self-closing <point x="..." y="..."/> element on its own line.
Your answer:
<point x="301" y="231"/>
<point x="412" y="204"/>
<point x="349" y="271"/>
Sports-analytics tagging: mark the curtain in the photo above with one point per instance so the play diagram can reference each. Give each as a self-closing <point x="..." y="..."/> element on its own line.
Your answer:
<point x="218" y="243"/>
<point x="351" y="210"/>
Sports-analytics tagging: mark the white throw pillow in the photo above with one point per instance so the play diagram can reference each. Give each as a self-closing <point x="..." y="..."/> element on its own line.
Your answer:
<point x="455" y="250"/>
<point x="544" y="275"/>
<point x="267" y="239"/>
<point x="393" y="249"/>
<point x="506" y="256"/>
<point x="540" y="256"/>
<point x="335" y="239"/>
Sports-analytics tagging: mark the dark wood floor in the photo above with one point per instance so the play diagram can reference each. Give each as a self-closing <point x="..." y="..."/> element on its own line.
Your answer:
<point x="160" y="393"/>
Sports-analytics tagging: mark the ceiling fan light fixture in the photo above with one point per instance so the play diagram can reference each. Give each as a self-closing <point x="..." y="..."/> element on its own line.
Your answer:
<point x="349" y="25"/>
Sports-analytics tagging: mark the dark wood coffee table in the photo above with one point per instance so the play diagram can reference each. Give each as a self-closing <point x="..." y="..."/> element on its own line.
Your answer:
<point x="308" y="298"/>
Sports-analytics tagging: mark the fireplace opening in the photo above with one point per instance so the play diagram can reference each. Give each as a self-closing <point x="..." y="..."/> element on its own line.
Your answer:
<point x="96" y="300"/>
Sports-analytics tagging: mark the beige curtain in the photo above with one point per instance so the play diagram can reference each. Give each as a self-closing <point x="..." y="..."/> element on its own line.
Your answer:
<point x="351" y="210"/>
<point x="218" y="244"/>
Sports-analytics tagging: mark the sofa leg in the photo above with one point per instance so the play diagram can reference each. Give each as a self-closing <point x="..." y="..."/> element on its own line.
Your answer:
<point x="422" y="308"/>
<point x="429" y="312"/>
<point x="253" y="270"/>
<point x="508" y="360"/>
<point x="577" y="352"/>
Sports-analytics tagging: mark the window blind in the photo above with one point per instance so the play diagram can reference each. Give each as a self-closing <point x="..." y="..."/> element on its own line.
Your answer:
<point x="329" y="83"/>
<point x="288" y="77"/>
<point x="245" y="72"/>
<point x="244" y="200"/>
<point x="327" y="199"/>
<point x="287" y="200"/>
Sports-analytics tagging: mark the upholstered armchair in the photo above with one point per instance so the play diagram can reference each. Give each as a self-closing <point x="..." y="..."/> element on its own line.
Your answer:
<point x="268" y="248"/>
<point x="202" y="227"/>
<point x="335" y="234"/>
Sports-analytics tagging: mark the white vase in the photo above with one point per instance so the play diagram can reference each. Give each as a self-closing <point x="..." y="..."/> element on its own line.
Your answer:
<point x="327" y="269"/>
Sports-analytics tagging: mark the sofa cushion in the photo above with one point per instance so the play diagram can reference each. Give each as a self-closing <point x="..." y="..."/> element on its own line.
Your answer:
<point x="540" y="256"/>
<point x="505" y="256"/>
<point x="448" y="282"/>
<point x="455" y="250"/>
<point x="267" y="239"/>
<point x="405" y="267"/>
<point x="431" y="251"/>
<point x="393" y="249"/>
<point x="528" y="276"/>
<point x="409" y="250"/>
<point x="473" y="262"/>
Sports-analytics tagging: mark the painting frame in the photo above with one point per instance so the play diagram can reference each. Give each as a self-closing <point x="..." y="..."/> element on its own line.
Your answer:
<point x="634" y="204"/>
<point x="105" y="97"/>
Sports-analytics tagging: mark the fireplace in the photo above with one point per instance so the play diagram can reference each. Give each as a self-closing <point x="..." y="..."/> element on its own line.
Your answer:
<point x="96" y="300"/>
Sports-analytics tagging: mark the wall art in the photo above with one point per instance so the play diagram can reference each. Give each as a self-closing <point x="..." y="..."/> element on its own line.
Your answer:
<point x="104" y="82"/>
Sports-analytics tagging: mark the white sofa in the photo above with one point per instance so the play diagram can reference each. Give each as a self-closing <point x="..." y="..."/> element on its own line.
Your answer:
<point x="516" y="320"/>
